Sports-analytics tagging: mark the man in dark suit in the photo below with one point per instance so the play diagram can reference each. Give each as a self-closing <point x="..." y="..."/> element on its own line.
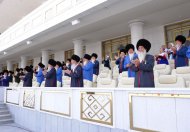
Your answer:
<point x="28" y="77"/>
<point x="50" y="75"/>
<point x="180" y="50"/>
<point x="5" y="79"/>
<point x="143" y="65"/>
<point x="95" y="64"/>
<point x="120" y="61"/>
<point x="76" y="72"/>
<point x="17" y="76"/>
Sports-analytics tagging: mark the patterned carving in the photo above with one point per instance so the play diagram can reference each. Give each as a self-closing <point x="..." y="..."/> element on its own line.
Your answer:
<point x="29" y="98"/>
<point x="97" y="107"/>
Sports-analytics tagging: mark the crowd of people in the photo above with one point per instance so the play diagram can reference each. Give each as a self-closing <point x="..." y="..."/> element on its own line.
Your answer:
<point x="139" y="65"/>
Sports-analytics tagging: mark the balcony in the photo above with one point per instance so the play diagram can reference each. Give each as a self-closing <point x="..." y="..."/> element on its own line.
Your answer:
<point x="87" y="109"/>
<point x="48" y="15"/>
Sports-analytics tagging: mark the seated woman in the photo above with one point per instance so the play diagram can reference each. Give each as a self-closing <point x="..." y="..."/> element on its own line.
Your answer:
<point x="162" y="58"/>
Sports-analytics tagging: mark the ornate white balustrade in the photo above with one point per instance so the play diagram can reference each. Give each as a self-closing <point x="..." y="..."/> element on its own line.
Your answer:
<point x="125" y="109"/>
<point x="47" y="15"/>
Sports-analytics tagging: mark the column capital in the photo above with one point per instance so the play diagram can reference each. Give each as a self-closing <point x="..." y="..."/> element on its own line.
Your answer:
<point x="78" y="41"/>
<point x="9" y="61"/>
<point x="23" y="57"/>
<point x="136" y="22"/>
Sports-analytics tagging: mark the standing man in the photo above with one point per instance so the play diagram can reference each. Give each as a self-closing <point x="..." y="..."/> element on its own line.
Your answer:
<point x="143" y="65"/>
<point x="120" y="61"/>
<point x="39" y="75"/>
<point x="50" y="74"/>
<point x="5" y="78"/>
<point x="180" y="50"/>
<point x="129" y="58"/>
<point x="87" y="68"/>
<point x="76" y="72"/>
<point x="59" y="73"/>
<point x="27" y="78"/>
<point x="95" y="63"/>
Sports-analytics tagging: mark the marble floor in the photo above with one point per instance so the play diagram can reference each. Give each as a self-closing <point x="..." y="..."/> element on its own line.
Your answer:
<point x="12" y="128"/>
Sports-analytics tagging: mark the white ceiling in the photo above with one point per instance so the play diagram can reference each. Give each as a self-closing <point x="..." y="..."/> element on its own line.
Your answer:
<point x="100" y="25"/>
<point x="12" y="11"/>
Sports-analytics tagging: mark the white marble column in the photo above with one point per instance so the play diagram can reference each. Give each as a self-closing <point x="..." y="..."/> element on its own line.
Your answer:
<point x="78" y="47"/>
<point x="19" y="64"/>
<point x="9" y="65"/>
<point x="45" y="57"/>
<point x="136" y="27"/>
<point x="23" y="62"/>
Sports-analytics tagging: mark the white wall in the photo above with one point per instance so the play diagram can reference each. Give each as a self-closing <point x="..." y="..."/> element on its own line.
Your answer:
<point x="156" y="37"/>
<point x="59" y="56"/>
<point x="95" y="47"/>
<point x="36" y="61"/>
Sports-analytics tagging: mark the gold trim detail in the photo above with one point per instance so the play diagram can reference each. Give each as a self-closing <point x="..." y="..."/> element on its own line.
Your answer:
<point x="6" y="97"/>
<point x="29" y="99"/>
<point x="156" y="95"/>
<point x="59" y="113"/>
<point x="97" y="107"/>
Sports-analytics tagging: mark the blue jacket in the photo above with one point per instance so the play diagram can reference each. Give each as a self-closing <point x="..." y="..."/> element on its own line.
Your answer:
<point x="121" y="65"/>
<point x="59" y="74"/>
<point x="51" y="80"/>
<point x="5" y="81"/>
<point x="127" y="61"/>
<point x="96" y="67"/>
<point x="28" y="80"/>
<point x="77" y="77"/>
<point x="40" y="76"/>
<point x="88" y="71"/>
<point x="181" y="59"/>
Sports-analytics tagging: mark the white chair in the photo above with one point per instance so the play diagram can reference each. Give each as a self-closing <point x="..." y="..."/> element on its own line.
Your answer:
<point x="35" y="84"/>
<point x="21" y="84"/>
<point x="115" y="72"/>
<point x="43" y="84"/>
<point x="10" y="84"/>
<point x="169" y="81"/>
<point x="103" y="75"/>
<point x="58" y="84"/>
<point x="95" y="78"/>
<point x="15" y="84"/>
<point x="66" y="81"/>
<point x="162" y="69"/>
<point x="87" y="83"/>
<point x="126" y="82"/>
<point x="183" y="72"/>
<point x="106" y="83"/>
<point x="172" y="63"/>
<point x="101" y="67"/>
<point x="112" y="64"/>
<point x="123" y="74"/>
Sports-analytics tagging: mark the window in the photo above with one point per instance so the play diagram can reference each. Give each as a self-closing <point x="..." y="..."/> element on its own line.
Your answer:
<point x="51" y="56"/>
<point x="68" y="54"/>
<point x="113" y="46"/>
<point x="181" y="28"/>
<point x="15" y="66"/>
<point x="4" y="67"/>
<point x="30" y="62"/>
